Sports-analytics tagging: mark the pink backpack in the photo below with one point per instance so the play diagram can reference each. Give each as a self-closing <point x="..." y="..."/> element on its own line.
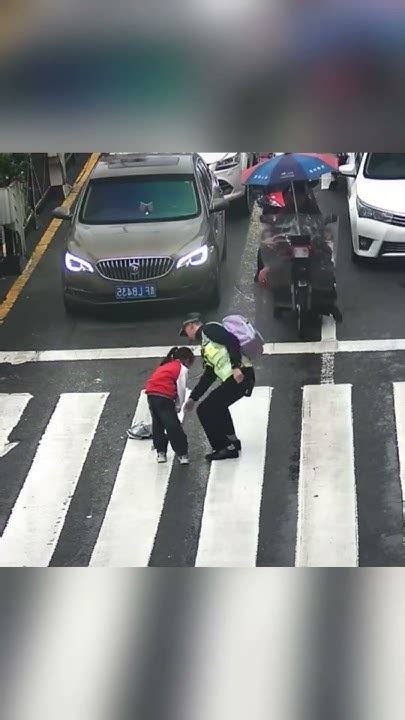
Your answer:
<point x="251" y="341"/>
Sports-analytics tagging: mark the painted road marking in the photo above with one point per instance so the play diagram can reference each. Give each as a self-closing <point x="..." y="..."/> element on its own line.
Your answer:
<point x="399" y="404"/>
<point x="327" y="504"/>
<point x="328" y="331"/>
<point x="44" y="242"/>
<point x="19" y="357"/>
<point x="328" y="359"/>
<point x="129" y="529"/>
<point x="33" y="529"/>
<point x="11" y="410"/>
<point x="232" y="510"/>
<point x="230" y="523"/>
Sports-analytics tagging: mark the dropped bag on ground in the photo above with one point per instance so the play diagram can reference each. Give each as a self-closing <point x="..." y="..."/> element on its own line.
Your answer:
<point x="142" y="427"/>
<point x="251" y="342"/>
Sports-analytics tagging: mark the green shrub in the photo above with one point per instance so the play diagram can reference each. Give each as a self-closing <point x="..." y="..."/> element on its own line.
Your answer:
<point x="12" y="167"/>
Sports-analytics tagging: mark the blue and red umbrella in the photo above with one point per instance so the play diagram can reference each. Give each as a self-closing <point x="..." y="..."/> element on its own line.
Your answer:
<point x="288" y="168"/>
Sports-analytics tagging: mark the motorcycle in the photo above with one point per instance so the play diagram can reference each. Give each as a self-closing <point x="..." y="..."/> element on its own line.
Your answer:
<point x="296" y="297"/>
<point x="301" y="280"/>
<point x="300" y="275"/>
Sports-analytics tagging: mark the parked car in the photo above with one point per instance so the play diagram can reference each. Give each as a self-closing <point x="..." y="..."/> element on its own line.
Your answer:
<point x="146" y="228"/>
<point x="376" y="194"/>
<point x="228" y="167"/>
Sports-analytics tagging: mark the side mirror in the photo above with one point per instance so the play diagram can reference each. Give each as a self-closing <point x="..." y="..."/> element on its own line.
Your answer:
<point x="218" y="205"/>
<point x="62" y="213"/>
<point x="348" y="170"/>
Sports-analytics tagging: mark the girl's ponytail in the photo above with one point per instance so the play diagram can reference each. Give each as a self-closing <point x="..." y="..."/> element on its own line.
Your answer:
<point x="184" y="354"/>
<point x="171" y="355"/>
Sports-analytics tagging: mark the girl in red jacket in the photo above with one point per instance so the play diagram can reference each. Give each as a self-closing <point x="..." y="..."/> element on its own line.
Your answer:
<point x="166" y="391"/>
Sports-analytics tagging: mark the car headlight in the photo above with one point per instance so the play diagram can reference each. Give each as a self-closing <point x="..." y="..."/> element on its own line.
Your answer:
<point x="229" y="162"/>
<point x="76" y="264"/>
<point x="197" y="257"/>
<point x="367" y="211"/>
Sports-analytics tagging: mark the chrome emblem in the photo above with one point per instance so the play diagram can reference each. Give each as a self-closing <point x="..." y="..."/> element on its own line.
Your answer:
<point x="134" y="268"/>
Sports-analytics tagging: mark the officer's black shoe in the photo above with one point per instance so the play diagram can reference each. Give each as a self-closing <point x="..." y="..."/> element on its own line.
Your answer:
<point x="225" y="454"/>
<point x="236" y="443"/>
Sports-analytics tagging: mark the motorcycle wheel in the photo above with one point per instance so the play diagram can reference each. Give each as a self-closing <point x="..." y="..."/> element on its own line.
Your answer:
<point x="301" y="311"/>
<point x="301" y="317"/>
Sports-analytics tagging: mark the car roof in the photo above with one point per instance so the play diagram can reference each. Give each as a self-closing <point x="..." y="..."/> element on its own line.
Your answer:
<point x="127" y="164"/>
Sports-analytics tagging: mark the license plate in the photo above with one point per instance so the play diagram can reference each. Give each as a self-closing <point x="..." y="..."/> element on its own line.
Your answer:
<point x="135" y="292"/>
<point x="301" y="252"/>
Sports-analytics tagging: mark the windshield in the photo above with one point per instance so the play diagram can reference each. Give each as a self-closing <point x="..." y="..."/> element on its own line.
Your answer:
<point x="385" y="166"/>
<point x="140" y="199"/>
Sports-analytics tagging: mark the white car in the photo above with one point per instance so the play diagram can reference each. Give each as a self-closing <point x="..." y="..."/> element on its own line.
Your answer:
<point x="228" y="168"/>
<point x="376" y="195"/>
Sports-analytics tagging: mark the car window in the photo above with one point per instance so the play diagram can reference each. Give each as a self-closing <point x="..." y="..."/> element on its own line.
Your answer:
<point x="206" y="181"/>
<point x="385" y="166"/>
<point x="139" y="199"/>
<point x="357" y="161"/>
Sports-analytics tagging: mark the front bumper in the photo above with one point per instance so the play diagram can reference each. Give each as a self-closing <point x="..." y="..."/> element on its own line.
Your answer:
<point x="373" y="239"/>
<point x="94" y="290"/>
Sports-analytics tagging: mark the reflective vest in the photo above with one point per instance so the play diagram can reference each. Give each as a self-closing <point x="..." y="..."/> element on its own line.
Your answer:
<point x="217" y="357"/>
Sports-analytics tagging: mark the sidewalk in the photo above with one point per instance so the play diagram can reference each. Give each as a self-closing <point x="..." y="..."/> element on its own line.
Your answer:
<point x="53" y="199"/>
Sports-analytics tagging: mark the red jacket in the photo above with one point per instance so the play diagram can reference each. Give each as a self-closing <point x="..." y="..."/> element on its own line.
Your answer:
<point x="169" y="381"/>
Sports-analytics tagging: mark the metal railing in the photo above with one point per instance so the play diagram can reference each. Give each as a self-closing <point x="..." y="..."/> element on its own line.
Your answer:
<point x="36" y="184"/>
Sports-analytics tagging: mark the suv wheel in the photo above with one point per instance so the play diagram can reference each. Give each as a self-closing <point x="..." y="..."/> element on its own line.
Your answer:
<point x="247" y="202"/>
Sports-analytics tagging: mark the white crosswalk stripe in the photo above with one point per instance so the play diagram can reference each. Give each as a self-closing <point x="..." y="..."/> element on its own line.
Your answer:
<point x="32" y="532"/>
<point x="129" y="528"/>
<point x="327" y="515"/>
<point x="399" y="400"/>
<point x="228" y="527"/>
<point x="12" y="408"/>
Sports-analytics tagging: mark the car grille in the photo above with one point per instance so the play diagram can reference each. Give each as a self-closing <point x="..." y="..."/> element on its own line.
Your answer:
<point x="390" y="248"/>
<point x="135" y="269"/>
<point x="398" y="220"/>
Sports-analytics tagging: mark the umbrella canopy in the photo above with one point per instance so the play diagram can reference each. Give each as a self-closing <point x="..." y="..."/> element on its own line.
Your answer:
<point x="263" y="157"/>
<point x="328" y="158"/>
<point x="288" y="168"/>
<point x="248" y="172"/>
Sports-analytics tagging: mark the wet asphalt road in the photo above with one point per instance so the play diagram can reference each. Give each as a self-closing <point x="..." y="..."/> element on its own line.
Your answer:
<point x="371" y="299"/>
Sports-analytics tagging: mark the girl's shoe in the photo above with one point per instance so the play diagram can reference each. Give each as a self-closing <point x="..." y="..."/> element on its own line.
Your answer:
<point x="183" y="460"/>
<point x="161" y="458"/>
